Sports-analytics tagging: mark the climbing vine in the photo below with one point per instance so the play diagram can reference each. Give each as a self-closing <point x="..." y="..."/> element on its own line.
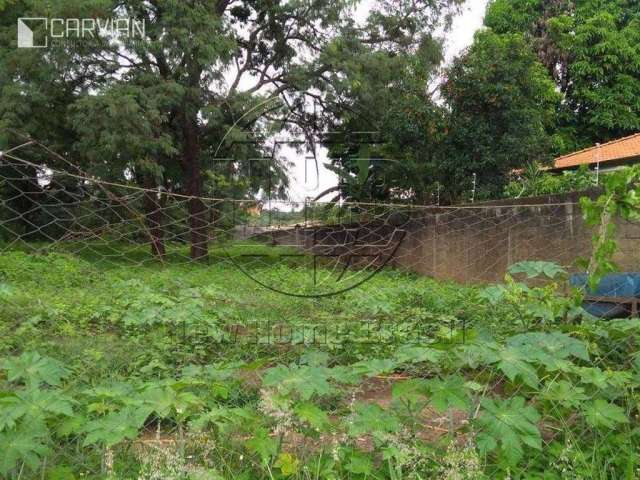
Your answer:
<point x="620" y="200"/>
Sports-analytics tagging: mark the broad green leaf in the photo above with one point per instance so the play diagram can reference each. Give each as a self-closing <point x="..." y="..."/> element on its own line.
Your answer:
<point x="345" y="374"/>
<point x="565" y="393"/>
<point x="315" y="416"/>
<point x="45" y="402"/>
<point x="476" y="354"/>
<point x="486" y="443"/>
<point x="448" y="393"/>
<point x="165" y="400"/>
<point x="533" y="269"/>
<point x="513" y="363"/>
<point x="415" y="354"/>
<point x="359" y="463"/>
<point x="413" y="390"/>
<point x="593" y="376"/>
<point x="372" y="419"/>
<point x="263" y="445"/>
<point x="315" y="358"/>
<point x="33" y="369"/>
<point x="494" y="294"/>
<point x="549" y="346"/>
<point x="10" y="411"/>
<point x="508" y="425"/>
<point x="287" y="463"/>
<point x="115" y="427"/>
<point x="33" y="404"/>
<point x="601" y="413"/>
<point x="305" y="381"/>
<point x="224" y="418"/>
<point x="28" y="444"/>
<point x="375" y="366"/>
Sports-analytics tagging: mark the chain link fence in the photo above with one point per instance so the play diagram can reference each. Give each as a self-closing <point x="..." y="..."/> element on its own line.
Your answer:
<point x="335" y="340"/>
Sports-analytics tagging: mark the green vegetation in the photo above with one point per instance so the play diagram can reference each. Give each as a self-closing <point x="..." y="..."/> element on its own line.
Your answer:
<point x="117" y="370"/>
<point x="590" y="50"/>
<point x="191" y="105"/>
<point x="120" y="363"/>
<point x="502" y="113"/>
<point x="213" y="80"/>
<point x="543" y="78"/>
<point x="535" y="181"/>
<point x="620" y="200"/>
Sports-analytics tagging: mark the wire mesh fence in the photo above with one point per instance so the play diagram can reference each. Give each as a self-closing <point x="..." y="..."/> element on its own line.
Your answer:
<point x="46" y="209"/>
<point x="356" y="338"/>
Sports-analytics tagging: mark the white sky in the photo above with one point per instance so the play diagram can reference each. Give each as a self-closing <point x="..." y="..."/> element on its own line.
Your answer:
<point x="459" y="37"/>
<point x="464" y="27"/>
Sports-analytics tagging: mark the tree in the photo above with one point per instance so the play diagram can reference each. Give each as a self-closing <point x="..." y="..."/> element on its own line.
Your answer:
<point x="502" y="109"/>
<point x="181" y="64"/>
<point x="159" y="106"/>
<point x="591" y="49"/>
<point x="399" y="122"/>
<point x="388" y="92"/>
<point x="33" y="102"/>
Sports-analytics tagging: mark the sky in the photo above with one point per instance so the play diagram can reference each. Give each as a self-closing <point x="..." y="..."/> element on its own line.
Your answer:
<point x="459" y="37"/>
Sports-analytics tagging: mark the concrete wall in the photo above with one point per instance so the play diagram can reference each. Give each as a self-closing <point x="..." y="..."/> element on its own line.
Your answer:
<point x="471" y="243"/>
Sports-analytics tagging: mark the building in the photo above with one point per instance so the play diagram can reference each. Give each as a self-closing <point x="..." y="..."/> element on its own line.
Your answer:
<point x="608" y="156"/>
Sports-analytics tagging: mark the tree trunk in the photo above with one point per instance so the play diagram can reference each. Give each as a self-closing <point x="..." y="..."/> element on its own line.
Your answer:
<point x="193" y="179"/>
<point x="153" y="215"/>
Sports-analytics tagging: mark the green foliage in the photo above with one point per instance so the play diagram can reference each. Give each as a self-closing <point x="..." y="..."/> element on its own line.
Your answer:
<point x="448" y="393"/>
<point x="620" y="200"/>
<point x="533" y="269"/>
<point x="590" y="49"/>
<point x="303" y="381"/>
<point x="316" y="417"/>
<point x="601" y="413"/>
<point x="502" y="111"/>
<point x="535" y="181"/>
<point x="32" y="368"/>
<point x="508" y="426"/>
<point x="531" y="305"/>
<point x="398" y="159"/>
<point x="209" y="81"/>
<point x="114" y="427"/>
<point x="345" y="408"/>
<point x="372" y="419"/>
<point x="26" y="445"/>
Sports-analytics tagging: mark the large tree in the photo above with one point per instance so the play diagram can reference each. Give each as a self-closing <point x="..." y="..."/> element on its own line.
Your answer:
<point x="592" y="50"/>
<point x="502" y="110"/>
<point x="161" y="105"/>
<point x="389" y="95"/>
<point x="398" y="123"/>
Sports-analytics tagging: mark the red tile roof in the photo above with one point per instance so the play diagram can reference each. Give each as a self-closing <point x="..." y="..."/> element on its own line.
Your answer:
<point x="627" y="147"/>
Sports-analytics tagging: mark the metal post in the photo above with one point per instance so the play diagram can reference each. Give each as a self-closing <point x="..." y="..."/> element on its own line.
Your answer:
<point x="473" y="191"/>
<point x="597" y="164"/>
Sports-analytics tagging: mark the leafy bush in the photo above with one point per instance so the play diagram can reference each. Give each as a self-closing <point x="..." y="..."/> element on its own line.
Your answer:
<point x="535" y="181"/>
<point x="114" y="371"/>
